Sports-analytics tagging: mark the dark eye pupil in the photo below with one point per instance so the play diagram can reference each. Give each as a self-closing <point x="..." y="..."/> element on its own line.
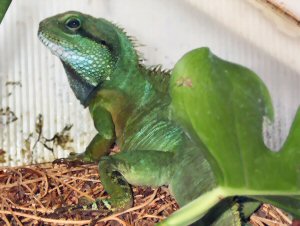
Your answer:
<point x="73" y="23"/>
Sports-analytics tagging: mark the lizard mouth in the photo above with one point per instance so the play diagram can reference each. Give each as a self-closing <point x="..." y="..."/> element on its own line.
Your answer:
<point x="55" y="49"/>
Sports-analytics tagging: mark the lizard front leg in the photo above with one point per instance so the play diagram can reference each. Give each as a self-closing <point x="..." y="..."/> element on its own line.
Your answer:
<point x="102" y="142"/>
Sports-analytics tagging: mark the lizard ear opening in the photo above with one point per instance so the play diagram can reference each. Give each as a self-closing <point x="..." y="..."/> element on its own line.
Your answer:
<point x="73" y="24"/>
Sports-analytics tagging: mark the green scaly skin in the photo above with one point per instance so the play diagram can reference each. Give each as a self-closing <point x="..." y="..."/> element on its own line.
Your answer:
<point x="130" y="106"/>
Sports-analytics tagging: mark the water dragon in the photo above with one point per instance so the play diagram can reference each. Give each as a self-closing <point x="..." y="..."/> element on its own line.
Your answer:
<point x="131" y="106"/>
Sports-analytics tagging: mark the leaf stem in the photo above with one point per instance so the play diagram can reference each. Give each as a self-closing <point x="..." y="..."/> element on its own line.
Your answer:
<point x="195" y="209"/>
<point x="199" y="207"/>
<point x="251" y="192"/>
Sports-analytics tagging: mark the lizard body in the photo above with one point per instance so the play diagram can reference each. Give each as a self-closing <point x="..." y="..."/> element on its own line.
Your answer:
<point x="130" y="106"/>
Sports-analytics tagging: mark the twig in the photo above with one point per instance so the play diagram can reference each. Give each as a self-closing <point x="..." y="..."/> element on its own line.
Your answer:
<point x="283" y="216"/>
<point x="46" y="180"/>
<point x="164" y="207"/>
<point x="75" y="189"/>
<point x="81" y="178"/>
<point x="48" y="220"/>
<point x="4" y="218"/>
<point x="15" y="206"/>
<point x="13" y="214"/>
<point x="21" y="183"/>
<point x="256" y="221"/>
<point x="269" y="222"/>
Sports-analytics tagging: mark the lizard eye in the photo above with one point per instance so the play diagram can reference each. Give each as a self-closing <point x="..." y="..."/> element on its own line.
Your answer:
<point x="73" y="24"/>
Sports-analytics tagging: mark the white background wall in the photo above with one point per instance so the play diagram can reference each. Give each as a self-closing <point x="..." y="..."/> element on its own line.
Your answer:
<point x="291" y="6"/>
<point x="233" y="29"/>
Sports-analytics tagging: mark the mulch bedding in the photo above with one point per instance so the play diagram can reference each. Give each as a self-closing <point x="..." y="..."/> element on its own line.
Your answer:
<point x="41" y="194"/>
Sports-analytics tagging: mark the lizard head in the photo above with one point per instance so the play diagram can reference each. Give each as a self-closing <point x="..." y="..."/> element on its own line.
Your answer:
<point x="88" y="47"/>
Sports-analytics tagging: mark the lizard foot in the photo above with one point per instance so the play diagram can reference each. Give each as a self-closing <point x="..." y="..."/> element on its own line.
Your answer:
<point x="99" y="207"/>
<point x="74" y="159"/>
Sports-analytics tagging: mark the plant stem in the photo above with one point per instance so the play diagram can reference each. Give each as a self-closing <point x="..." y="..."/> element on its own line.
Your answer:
<point x="195" y="209"/>
<point x="249" y="192"/>
<point x="199" y="207"/>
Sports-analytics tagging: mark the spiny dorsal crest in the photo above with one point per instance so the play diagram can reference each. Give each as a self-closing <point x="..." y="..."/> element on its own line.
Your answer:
<point x="132" y="39"/>
<point x="159" y="77"/>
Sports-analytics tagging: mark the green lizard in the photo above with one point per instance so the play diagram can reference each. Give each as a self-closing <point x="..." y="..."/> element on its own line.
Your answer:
<point x="130" y="106"/>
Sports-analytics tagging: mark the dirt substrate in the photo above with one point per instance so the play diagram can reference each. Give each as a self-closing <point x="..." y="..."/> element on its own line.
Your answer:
<point x="39" y="194"/>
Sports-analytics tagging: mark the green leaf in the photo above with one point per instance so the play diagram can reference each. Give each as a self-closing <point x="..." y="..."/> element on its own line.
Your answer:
<point x="4" y="4"/>
<point x="223" y="105"/>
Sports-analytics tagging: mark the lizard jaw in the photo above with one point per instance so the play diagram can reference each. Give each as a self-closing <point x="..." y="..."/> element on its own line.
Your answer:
<point x="55" y="49"/>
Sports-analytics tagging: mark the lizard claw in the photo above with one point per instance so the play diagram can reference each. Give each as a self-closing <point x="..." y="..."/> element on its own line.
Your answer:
<point x="68" y="162"/>
<point x="86" y="207"/>
<point x="74" y="159"/>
